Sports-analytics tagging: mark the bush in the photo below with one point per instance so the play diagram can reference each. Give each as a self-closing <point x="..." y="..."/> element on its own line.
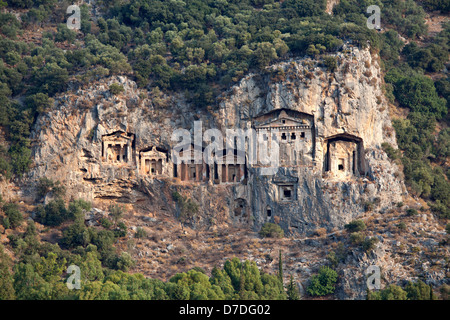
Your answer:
<point x="52" y="214"/>
<point x="105" y="223"/>
<point x="355" y="226"/>
<point x="188" y="207"/>
<point x="392" y="153"/>
<point x="125" y="261"/>
<point x="401" y="226"/>
<point x="116" y="89"/>
<point x="75" y="235"/>
<point x="121" y="230"/>
<point x="271" y="230"/>
<point x="419" y="291"/>
<point x="140" y="233"/>
<point x="45" y="186"/>
<point x="64" y="34"/>
<point x="14" y="217"/>
<point x="323" y="283"/>
<point x="441" y="209"/>
<point x="357" y="238"/>
<point x="330" y="63"/>
<point x="369" y="244"/>
<point x="411" y="212"/>
<point x="77" y="208"/>
<point x="392" y="292"/>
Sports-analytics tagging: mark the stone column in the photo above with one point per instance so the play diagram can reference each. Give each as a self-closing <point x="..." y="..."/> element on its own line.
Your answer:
<point x="142" y="165"/>
<point x="226" y="173"/>
<point x="197" y="172"/>
<point x="129" y="151"/>
<point x="121" y="152"/>
<point x="182" y="171"/>
<point x="239" y="173"/>
<point x="219" y="172"/>
<point x="186" y="172"/>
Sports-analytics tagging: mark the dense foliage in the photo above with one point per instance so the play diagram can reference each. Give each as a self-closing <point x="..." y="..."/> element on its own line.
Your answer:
<point x="412" y="291"/>
<point x="200" y="47"/>
<point x="41" y="273"/>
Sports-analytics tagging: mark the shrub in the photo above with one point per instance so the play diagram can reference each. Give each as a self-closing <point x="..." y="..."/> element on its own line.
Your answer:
<point x="271" y="230"/>
<point x="323" y="283"/>
<point x="105" y="223"/>
<point x="14" y="217"/>
<point x="419" y="291"/>
<point x="77" y="234"/>
<point x="125" y="261"/>
<point x="52" y="214"/>
<point x="392" y="153"/>
<point x="392" y="292"/>
<point x="330" y="63"/>
<point x="5" y="222"/>
<point x="116" y="88"/>
<point x="401" y="226"/>
<point x="441" y="209"/>
<point x="188" y="207"/>
<point x="64" y="34"/>
<point x="77" y="208"/>
<point x="411" y="212"/>
<point x="355" y="226"/>
<point x="357" y="238"/>
<point x="116" y="213"/>
<point x="46" y="186"/>
<point x="140" y="233"/>
<point x="369" y="244"/>
<point x="121" y="230"/>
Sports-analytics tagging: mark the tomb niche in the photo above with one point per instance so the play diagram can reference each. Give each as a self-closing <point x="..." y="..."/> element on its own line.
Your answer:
<point x="286" y="189"/>
<point x="344" y="155"/>
<point x="153" y="161"/>
<point x="293" y="131"/>
<point x="185" y="166"/>
<point x="241" y="210"/>
<point x="229" y="167"/>
<point x="118" y="147"/>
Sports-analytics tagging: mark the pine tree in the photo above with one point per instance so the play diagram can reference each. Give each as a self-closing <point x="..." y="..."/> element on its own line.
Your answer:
<point x="292" y="290"/>
<point x="280" y="268"/>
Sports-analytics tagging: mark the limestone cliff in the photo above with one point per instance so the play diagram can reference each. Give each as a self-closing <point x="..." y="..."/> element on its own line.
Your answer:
<point x="347" y="102"/>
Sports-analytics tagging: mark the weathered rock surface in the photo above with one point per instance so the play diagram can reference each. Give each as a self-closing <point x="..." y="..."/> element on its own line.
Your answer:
<point x="68" y="144"/>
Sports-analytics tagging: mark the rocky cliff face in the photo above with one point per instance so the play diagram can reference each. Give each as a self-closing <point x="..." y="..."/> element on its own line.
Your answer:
<point x="348" y="101"/>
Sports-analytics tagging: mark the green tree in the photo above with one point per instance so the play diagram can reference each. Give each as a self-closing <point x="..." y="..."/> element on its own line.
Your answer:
<point x="271" y="230"/>
<point x="292" y="290"/>
<point x="116" y="89"/>
<point x="323" y="283"/>
<point x="392" y="292"/>
<point x="280" y="268"/>
<point x="6" y="278"/>
<point x="13" y="214"/>
<point x="64" y="34"/>
<point x="264" y="54"/>
<point x="52" y="214"/>
<point x="419" y="291"/>
<point x="355" y="226"/>
<point x="116" y="213"/>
